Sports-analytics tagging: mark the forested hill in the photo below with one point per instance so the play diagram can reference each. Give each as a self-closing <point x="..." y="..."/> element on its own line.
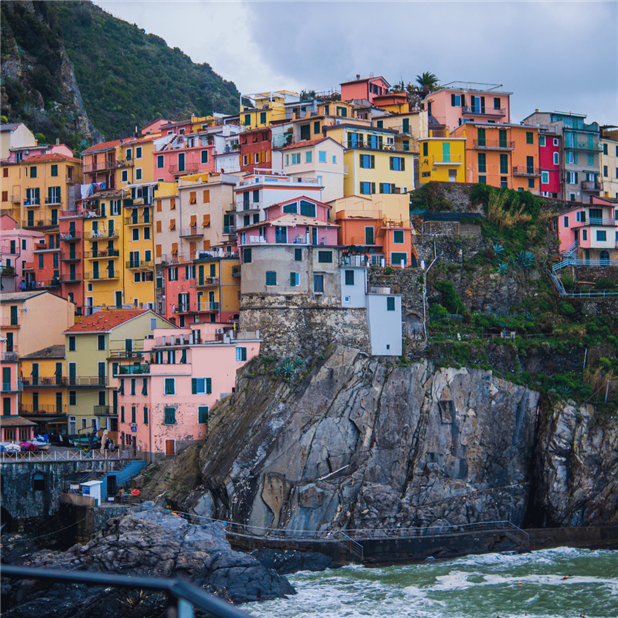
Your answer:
<point x="71" y="70"/>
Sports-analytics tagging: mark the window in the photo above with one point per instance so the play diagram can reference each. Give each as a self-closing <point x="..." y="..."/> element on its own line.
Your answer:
<point x="246" y="256"/>
<point x="349" y="277"/>
<point x="497" y="105"/>
<point x="398" y="237"/>
<point x="367" y="161"/>
<point x="504" y="182"/>
<point x="390" y="303"/>
<point x="566" y="222"/>
<point x="584" y="234"/>
<point x="129" y="154"/>
<point x="369" y="235"/>
<point x="202" y="415"/>
<point x="101" y="342"/>
<point x="170" y="416"/>
<point x="425" y="149"/>
<point x="397" y="164"/>
<point x="316" y="128"/>
<point x="33" y="172"/>
<point x="202" y="386"/>
<point x="308" y="156"/>
<point x="72" y="345"/>
<point x="530" y="183"/>
<point x="298" y="255"/>
<point x="160" y="161"/>
<point x="138" y="173"/>
<point x="172" y="274"/>
<point x="541" y="140"/>
<point x="318" y="284"/>
<point x="262" y="117"/>
<point x="591" y="160"/>
<point x="367" y="188"/>
<point x="295" y="158"/>
<point x="307" y="209"/>
<point x="544" y="178"/>
<point x="256" y="157"/>
<point x="529" y="137"/>
<point x="325" y="257"/>
<point x="125" y="176"/>
<point x="135" y="233"/>
<point x="271" y="277"/>
<point x="601" y="235"/>
<point x="291" y="208"/>
<point x="504" y="164"/>
<point x="556" y="158"/>
<point x="170" y="386"/>
<point x="380" y="124"/>
<point x="41" y="256"/>
<point x="605" y="171"/>
<point x="334" y="159"/>
<point x="482" y="162"/>
<point x="138" y="152"/>
<point x="294" y="280"/>
<point x="398" y="258"/>
<point x="455" y="100"/>
<point x="241" y="354"/>
<point x="54" y="170"/>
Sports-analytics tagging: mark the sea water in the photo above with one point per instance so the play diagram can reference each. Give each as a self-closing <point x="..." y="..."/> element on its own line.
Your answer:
<point x="551" y="583"/>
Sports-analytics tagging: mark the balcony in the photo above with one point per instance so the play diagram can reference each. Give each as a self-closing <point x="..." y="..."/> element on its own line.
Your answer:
<point x="176" y="340"/>
<point x="70" y="237"/>
<point x="229" y="229"/>
<point x="590" y="185"/>
<point x="101" y="166"/>
<point x="191" y="232"/>
<point x="88" y="212"/>
<point x="602" y="221"/>
<point x="9" y="357"/>
<point x="247" y="207"/>
<point x="45" y="381"/>
<point x="9" y="323"/>
<point x="53" y="201"/>
<point x="446" y="159"/>
<point x="12" y="387"/>
<point x="15" y="199"/>
<point x="88" y="381"/>
<point x="40" y="224"/>
<point x="138" y="265"/>
<point x="182" y="308"/>
<point x="71" y="278"/>
<point x="101" y="276"/>
<point x="135" y="352"/>
<point x="205" y="282"/>
<point x="8" y="271"/>
<point x="523" y="170"/>
<point x="207" y="307"/>
<point x="42" y="409"/>
<point x="42" y="284"/>
<point x="141" y="220"/>
<point x="236" y="271"/>
<point x="130" y="370"/>
<point x="104" y="411"/>
<point x="102" y="254"/>
<point x="72" y="257"/>
<point x="585" y="146"/>
<point x="101" y="235"/>
<point x="493" y="144"/>
<point x="32" y="203"/>
<point x="468" y="110"/>
<point x="188" y="168"/>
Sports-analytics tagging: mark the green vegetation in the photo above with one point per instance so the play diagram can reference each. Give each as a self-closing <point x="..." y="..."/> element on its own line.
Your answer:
<point x="128" y="77"/>
<point x="429" y="197"/>
<point x="450" y="298"/>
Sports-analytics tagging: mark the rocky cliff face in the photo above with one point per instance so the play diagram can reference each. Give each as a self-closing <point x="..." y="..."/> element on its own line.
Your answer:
<point x="576" y="469"/>
<point x="362" y="444"/>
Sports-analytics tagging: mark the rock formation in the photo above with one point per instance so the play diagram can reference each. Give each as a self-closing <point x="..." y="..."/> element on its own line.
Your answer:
<point x="360" y="443"/>
<point x="148" y="543"/>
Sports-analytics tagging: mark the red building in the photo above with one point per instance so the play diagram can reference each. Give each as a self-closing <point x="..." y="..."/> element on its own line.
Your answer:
<point x="255" y="150"/>
<point x="549" y="160"/>
<point x="365" y="89"/>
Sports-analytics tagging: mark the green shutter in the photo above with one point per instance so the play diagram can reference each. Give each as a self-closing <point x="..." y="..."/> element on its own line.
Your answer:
<point x="193" y="386"/>
<point x="208" y="386"/>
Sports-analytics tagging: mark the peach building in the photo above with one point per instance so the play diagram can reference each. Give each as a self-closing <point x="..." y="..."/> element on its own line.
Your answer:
<point x="164" y="403"/>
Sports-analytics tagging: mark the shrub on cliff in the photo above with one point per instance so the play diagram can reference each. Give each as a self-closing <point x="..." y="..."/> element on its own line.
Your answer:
<point x="605" y="284"/>
<point x="450" y="298"/>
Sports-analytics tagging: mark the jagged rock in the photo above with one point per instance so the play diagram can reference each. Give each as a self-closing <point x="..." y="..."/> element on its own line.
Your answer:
<point x="362" y="443"/>
<point x="149" y="543"/>
<point x="576" y="469"/>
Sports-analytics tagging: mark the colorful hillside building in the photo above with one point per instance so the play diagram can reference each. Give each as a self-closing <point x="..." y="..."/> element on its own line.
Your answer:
<point x="442" y="159"/>
<point x="549" y="161"/>
<point x="16" y="253"/>
<point x="165" y="401"/>
<point x="364" y="89"/>
<point x="11" y="382"/>
<point x="608" y="164"/>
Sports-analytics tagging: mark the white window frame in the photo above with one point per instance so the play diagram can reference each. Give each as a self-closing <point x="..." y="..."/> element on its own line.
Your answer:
<point x="545" y="178"/>
<point x="556" y="158"/>
<point x="124" y="176"/>
<point x="138" y="152"/>
<point x="138" y="173"/>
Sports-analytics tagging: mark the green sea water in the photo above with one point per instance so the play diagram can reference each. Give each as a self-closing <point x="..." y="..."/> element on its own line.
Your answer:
<point x="510" y="586"/>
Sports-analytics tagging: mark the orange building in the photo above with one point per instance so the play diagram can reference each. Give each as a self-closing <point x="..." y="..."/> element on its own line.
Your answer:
<point x="502" y="155"/>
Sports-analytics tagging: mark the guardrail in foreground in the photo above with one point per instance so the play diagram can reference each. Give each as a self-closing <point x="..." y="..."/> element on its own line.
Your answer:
<point x="186" y="597"/>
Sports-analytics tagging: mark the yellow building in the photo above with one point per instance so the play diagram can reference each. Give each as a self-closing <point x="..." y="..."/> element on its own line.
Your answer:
<point x="266" y="107"/>
<point x="11" y="191"/>
<point x="608" y="162"/>
<point x="44" y="398"/>
<point x="411" y="127"/>
<point x="442" y="159"/>
<point x="48" y="184"/>
<point x="372" y="162"/>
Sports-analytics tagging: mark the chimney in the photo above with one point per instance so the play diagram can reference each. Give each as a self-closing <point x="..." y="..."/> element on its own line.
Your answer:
<point x="357" y="76"/>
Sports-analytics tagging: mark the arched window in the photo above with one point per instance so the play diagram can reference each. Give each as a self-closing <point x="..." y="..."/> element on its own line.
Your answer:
<point x="604" y="258"/>
<point x="38" y="481"/>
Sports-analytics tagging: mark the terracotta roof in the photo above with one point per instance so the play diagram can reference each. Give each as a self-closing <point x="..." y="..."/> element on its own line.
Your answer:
<point x="15" y="421"/>
<point x="104" y="321"/>
<point x="53" y="351"/>
<point x="103" y="146"/>
<point x="309" y="142"/>
<point x="49" y="157"/>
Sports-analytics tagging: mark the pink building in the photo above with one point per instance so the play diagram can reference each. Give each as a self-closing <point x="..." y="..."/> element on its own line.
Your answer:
<point x="588" y="233"/>
<point x="164" y="403"/>
<point x="364" y="89"/>
<point x="549" y="160"/>
<point x="11" y="383"/>
<point x="459" y="102"/>
<point x="16" y="248"/>
<point x="24" y="153"/>
<point x="296" y="221"/>
<point x="185" y="154"/>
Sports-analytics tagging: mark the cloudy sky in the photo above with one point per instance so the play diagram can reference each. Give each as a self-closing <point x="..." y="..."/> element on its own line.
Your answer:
<point x="551" y="55"/>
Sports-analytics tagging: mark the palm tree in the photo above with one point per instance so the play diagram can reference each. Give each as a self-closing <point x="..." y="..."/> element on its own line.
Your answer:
<point x="427" y="82"/>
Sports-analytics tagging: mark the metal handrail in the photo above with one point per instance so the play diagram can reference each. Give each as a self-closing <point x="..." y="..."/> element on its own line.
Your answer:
<point x="186" y="595"/>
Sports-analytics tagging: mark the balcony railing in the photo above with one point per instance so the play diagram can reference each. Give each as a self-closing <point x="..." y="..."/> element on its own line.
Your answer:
<point x="242" y="206"/>
<point x="44" y="283"/>
<point x="585" y="146"/>
<point x="182" y="308"/>
<point x="86" y="212"/>
<point x="71" y="257"/>
<point x="12" y="387"/>
<point x="71" y="277"/>
<point x="9" y="323"/>
<point x="32" y="203"/>
<point x="103" y="410"/>
<point x="100" y="166"/>
<point x="133" y="369"/>
<point x="483" y="111"/>
<point x="42" y="409"/>
<point x="208" y="306"/>
<point x="53" y="201"/>
<point x="139" y="265"/>
<point x="40" y="223"/>
<point x="205" y="282"/>
<point x="101" y="235"/>
<point x="191" y="232"/>
<point x="140" y="220"/>
<point x="70" y="237"/>
<point x="493" y="144"/>
<point x="524" y="170"/>
<point x="229" y="229"/>
<point x="590" y="185"/>
<point x="8" y="271"/>
<point x="602" y="221"/>
<point x="188" y="168"/>
<point x="53" y="381"/>
<point x="102" y="254"/>
<point x="86" y="381"/>
<point x="105" y="275"/>
<point x="447" y="159"/>
<point x="9" y="356"/>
